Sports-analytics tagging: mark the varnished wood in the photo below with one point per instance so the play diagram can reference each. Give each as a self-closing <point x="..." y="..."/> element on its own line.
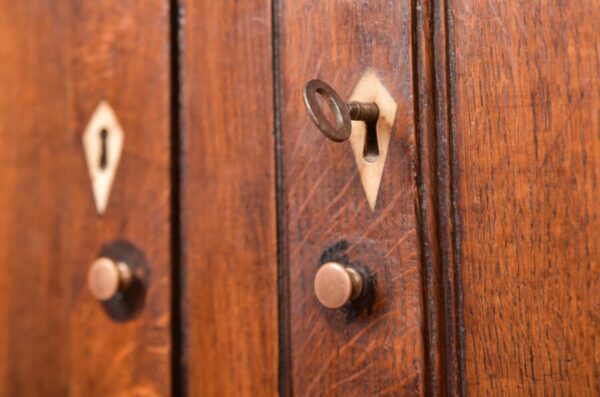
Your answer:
<point x="334" y="353"/>
<point x="442" y="288"/>
<point x="527" y="94"/>
<point x="230" y="263"/>
<point x="60" y="60"/>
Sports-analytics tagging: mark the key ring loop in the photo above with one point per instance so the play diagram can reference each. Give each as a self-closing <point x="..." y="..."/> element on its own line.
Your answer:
<point x="339" y="132"/>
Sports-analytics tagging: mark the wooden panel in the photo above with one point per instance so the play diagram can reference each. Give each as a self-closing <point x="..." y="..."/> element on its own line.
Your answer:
<point x="229" y="199"/>
<point x="333" y="353"/>
<point x="435" y="179"/>
<point x="61" y="59"/>
<point x="528" y="144"/>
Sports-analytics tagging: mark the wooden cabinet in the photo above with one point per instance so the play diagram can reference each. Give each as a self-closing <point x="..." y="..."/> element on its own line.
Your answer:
<point x="478" y="246"/>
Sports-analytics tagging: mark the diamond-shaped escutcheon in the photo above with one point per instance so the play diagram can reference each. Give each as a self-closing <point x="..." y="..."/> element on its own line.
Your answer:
<point x="102" y="142"/>
<point x="369" y="89"/>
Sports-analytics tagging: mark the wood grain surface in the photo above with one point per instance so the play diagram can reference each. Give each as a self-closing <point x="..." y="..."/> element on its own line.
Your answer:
<point x="59" y="60"/>
<point x="228" y="202"/>
<point x="333" y="353"/>
<point x="436" y="180"/>
<point x="527" y="119"/>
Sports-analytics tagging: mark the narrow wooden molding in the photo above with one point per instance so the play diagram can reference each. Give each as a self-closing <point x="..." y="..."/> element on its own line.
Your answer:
<point x="439" y="222"/>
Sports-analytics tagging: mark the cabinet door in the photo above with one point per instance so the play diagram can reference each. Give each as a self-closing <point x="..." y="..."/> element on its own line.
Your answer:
<point x="60" y="59"/>
<point x="527" y="145"/>
<point x="377" y="348"/>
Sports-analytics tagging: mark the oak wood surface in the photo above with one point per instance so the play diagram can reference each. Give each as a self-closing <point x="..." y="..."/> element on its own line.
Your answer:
<point x="228" y="201"/>
<point x="527" y="100"/>
<point x="59" y="60"/>
<point x="332" y="353"/>
<point x="435" y="178"/>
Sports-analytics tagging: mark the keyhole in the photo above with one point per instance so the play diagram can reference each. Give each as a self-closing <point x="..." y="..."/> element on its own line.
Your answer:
<point x="371" y="150"/>
<point x="103" y="162"/>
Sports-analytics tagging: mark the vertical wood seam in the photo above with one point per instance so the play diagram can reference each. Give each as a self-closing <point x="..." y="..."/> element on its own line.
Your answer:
<point x="455" y="221"/>
<point x="179" y="375"/>
<point x="424" y="101"/>
<point x="284" y="365"/>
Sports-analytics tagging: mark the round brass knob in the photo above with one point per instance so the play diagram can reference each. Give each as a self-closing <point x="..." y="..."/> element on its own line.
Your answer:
<point x="107" y="277"/>
<point x="336" y="285"/>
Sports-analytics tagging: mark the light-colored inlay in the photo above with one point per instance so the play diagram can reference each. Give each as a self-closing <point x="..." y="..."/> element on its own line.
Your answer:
<point x="370" y="89"/>
<point x="103" y="143"/>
